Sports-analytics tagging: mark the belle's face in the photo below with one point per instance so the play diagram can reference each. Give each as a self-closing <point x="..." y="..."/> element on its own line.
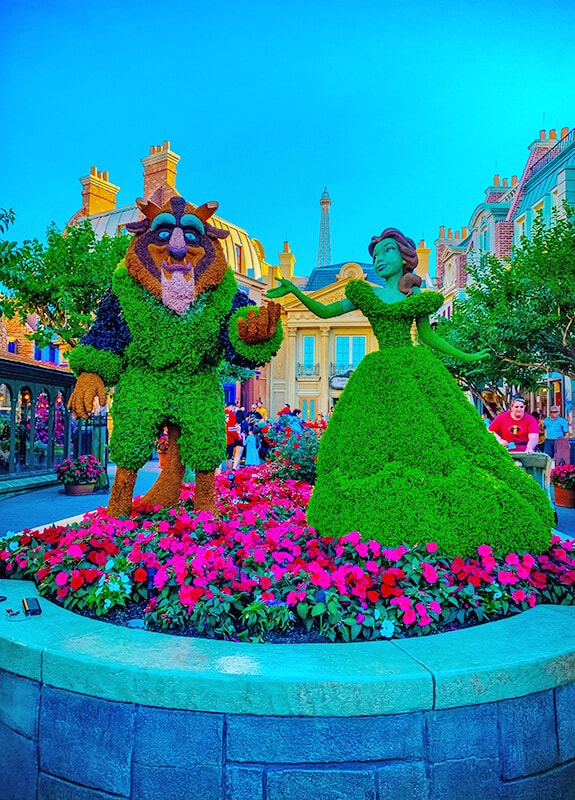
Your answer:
<point x="387" y="260"/>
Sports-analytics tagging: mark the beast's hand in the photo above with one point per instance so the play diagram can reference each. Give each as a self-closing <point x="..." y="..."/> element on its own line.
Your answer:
<point x="88" y="387"/>
<point x="260" y="325"/>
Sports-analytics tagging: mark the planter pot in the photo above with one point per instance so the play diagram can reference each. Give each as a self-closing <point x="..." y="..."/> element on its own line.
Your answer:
<point x="79" y="488"/>
<point x="564" y="497"/>
<point x="162" y="458"/>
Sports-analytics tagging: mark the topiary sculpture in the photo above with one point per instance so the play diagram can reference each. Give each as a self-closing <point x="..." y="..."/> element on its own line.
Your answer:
<point x="406" y="457"/>
<point x="173" y="313"/>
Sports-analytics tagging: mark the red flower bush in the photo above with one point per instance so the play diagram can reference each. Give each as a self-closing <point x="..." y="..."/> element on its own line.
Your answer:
<point x="262" y="574"/>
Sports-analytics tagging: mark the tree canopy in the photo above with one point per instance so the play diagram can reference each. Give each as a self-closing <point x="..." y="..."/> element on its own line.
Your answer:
<point x="61" y="282"/>
<point x="522" y="309"/>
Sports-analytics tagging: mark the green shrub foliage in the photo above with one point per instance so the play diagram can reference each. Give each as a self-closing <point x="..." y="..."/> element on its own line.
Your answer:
<point x="407" y="458"/>
<point x="166" y="368"/>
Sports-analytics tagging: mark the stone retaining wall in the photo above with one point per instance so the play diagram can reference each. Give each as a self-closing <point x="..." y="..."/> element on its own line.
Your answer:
<point x="93" y="712"/>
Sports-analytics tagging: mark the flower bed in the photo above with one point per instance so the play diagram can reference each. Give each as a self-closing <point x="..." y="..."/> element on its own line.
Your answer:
<point x="262" y="574"/>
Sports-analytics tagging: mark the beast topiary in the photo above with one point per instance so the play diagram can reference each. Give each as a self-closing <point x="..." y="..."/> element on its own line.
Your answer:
<point x="406" y="457"/>
<point x="173" y="313"/>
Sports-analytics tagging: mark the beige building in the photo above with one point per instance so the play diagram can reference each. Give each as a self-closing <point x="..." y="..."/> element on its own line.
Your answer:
<point x="318" y="355"/>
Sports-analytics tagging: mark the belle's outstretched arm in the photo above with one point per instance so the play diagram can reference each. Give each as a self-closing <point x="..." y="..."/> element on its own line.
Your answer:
<point x="319" y="309"/>
<point x="428" y="336"/>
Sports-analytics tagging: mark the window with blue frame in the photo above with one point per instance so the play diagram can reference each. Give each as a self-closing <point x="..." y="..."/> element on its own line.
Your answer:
<point x="349" y="350"/>
<point x="308" y="343"/>
<point x="49" y="353"/>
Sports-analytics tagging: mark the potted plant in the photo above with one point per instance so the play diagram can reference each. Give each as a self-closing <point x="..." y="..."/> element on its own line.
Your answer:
<point x="563" y="480"/>
<point x="79" y="475"/>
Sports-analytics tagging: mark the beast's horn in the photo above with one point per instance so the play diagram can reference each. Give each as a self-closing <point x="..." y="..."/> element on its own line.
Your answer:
<point x="205" y="211"/>
<point x="148" y="209"/>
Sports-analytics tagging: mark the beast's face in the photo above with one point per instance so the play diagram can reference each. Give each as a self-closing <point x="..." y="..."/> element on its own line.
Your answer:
<point x="175" y="254"/>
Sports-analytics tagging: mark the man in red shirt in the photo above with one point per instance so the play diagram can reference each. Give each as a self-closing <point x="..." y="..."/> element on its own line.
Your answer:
<point x="231" y="434"/>
<point x="515" y="429"/>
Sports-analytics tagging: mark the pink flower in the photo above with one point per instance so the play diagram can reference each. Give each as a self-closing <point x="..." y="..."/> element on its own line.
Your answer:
<point x="512" y="560"/>
<point x="359" y="618"/>
<point x="409" y="616"/>
<point x="518" y="596"/>
<point x="435" y="607"/>
<point x="362" y="549"/>
<point x="75" y="551"/>
<point x="259" y="555"/>
<point x="431" y="547"/>
<point x="484" y="550"/>
<point x="61" y="579"/>
<point x="506" y="578"/>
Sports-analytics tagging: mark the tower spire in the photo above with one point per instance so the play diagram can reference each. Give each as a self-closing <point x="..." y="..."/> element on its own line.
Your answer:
<point x="324" y="249"/>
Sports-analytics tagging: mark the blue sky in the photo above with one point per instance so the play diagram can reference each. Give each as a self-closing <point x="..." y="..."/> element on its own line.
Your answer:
<point x="403" y="110"/>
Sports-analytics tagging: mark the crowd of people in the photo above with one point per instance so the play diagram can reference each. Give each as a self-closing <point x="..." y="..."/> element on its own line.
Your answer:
<point x="246" y="441"/>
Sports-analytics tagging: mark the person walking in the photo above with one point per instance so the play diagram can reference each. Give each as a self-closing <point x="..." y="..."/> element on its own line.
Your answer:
<point x="556" y="427"/>
<point x="515" y="429"/>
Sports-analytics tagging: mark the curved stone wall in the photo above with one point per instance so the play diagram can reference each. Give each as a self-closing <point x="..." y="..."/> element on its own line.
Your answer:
<point x="89" y="711"/>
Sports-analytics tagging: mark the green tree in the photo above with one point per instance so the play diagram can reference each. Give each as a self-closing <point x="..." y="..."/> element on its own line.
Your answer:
<point x="61" y="282"/>
<point x="523" y="310"/>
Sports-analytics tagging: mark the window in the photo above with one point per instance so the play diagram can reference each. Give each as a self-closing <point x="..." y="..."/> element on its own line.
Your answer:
<point x="37" y="353"/>
<point x="13" y="346"/>
<point x="238" y="255"/>
<point x="308" y="356"/>
<point x="307" y="410"/>
<point x="349" y="350"/>
<point x="484" y="239"/>
<point x="54" y="354"/>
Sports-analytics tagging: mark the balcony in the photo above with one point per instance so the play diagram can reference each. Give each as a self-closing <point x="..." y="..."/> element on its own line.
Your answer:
<point x="339" y="368"/>
<point x="307" y="370"/>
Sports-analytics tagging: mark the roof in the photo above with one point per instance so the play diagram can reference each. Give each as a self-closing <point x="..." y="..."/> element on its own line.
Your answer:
<point x="544" y="181"/>
<point x="324" y="276"/>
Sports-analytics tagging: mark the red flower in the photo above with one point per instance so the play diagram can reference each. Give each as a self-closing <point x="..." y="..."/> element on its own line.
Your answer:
<point x="140" y="575"/>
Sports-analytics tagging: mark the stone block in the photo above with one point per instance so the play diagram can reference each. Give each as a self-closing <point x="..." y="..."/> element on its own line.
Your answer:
<point x="294" y="783"/>
<point x="51" y="788"/>
<point x="565" y="710"/>
<point x="19" y="701"/>
<point x="403" y="780"/>
<point x="244" y="783"/>
<point x="168" y="783"/>
<point x="527" y="735"/>
<point x="284" y="740"/>
<point x="167" y="738"/>
<point x="470" y="731"/>
<point x="557" y="784"/>
<point x="468" y="779"/>
<point x="19" y="766"/>
<point x="86" y="740"/>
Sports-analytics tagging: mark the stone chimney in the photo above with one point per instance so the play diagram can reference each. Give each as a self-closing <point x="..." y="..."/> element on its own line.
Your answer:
<point x="160" y="173"/>
<point x="98" y="194"/>
<point x="287" y="261"/>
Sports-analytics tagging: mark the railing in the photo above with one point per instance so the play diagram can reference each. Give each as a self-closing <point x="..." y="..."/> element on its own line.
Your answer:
<point x="552" y="153"/>
<point x="307" y="370"/>
<point x="338" y="368"/>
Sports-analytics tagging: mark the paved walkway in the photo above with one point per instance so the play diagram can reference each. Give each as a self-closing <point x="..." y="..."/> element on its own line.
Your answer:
<point x="44" y="506"/>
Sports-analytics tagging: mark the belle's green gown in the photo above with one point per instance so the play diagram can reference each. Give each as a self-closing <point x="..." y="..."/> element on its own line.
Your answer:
<point x="407" y="458"/>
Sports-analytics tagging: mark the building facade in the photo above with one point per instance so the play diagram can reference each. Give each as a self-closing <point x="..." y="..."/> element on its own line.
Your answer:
<point x="500" y="221"/>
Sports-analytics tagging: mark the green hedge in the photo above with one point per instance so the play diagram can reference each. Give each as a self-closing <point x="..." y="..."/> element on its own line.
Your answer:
<point x="407" y="458"/>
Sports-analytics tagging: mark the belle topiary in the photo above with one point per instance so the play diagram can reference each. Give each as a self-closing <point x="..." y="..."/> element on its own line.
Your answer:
<point x="406" y="457"/>
<point x="173" y="314"/>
